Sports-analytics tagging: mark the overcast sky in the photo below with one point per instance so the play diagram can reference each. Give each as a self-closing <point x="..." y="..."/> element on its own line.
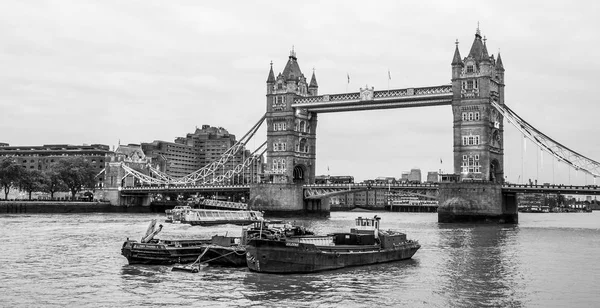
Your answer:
<point x="136" y="71"/>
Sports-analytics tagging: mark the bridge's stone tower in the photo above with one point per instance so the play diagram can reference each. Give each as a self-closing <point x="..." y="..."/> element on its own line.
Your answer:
<point x="477" y="80"/>
<point x="291" y="133"/>
<point x="291" y="143"/>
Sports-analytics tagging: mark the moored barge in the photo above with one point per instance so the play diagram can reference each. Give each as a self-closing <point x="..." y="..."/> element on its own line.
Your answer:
<point x="218" y="250"/>
<point x="363" y="245"/>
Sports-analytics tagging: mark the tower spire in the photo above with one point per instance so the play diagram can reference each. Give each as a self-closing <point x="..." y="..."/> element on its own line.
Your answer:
<point x="313" y="80"/>
<point x="499" y="62"/>
<point x="271" y="78"/>
<point x="456" y="60"/>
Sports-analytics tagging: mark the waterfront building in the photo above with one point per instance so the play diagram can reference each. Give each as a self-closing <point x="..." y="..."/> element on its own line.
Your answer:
<point x="41" y="157"/>
<point x="2" y="144"/>
<point x="172" y="158"/>
<point x="414" y="176"/>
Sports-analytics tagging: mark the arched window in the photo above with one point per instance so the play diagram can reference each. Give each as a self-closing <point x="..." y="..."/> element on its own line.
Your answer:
<point x="303" y="145"/>
<point x="464" y="116"/>
<point x="302" y="126"/>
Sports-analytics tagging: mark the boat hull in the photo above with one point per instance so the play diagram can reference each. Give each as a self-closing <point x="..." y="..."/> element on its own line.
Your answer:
<point x="240" y="222"/>
<point x="268" y="256"/>
<point x="160" y="254"/>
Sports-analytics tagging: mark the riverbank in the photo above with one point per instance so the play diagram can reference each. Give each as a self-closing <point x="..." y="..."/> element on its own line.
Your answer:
<point x="31" y="207"/>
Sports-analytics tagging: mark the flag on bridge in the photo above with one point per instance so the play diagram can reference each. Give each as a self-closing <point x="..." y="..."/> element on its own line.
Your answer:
<point x="440" y="160"/>
<point x="389" y="75"/>
<point x="348" y="78"/>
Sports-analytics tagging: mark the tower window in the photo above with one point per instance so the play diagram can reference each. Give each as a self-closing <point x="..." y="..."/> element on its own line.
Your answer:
<point x="471" y="164"/>
<point x="464" y="116"/>
<point x="469" y="68"/>
<point x="470" y="84"/>
<point x="470" y="140"/>
<point x="470" y="116"/>
<point x="477" y="116"/>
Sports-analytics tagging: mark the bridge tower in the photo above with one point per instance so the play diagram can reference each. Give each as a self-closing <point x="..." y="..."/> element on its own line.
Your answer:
<point x="477" y="80"/>
<point x="291" y="138"/>
<point x="478" y="127"/>
<point x="291" y="143"/>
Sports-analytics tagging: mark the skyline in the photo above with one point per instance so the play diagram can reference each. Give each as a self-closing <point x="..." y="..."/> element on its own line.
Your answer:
<point x="143" y="71"/>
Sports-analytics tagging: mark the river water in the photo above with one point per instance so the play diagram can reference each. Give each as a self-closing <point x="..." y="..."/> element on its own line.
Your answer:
<point x="547" y="260"/>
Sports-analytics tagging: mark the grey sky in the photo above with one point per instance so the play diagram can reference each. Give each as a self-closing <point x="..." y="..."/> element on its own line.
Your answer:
<point x="99" y="71"/>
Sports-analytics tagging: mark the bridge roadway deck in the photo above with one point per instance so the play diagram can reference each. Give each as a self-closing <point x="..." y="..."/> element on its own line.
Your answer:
<point x="516" y="188"/>
<point x="371" y="100"/>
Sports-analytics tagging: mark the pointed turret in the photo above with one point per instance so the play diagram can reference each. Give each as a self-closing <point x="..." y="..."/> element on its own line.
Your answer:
<point x="499" y="63"/>
<point x="456" y="60"/>
<point x="271" y="78"/>
<point x="313" y="81"/>
<point x="292" y="69"/>
<point x="477" y="48"/>
<point x="313" y="87"/>
<point x="484" y="54"/>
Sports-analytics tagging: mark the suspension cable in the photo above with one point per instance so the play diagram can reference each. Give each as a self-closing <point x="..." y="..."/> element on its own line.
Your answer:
<point x="554" y="148"/>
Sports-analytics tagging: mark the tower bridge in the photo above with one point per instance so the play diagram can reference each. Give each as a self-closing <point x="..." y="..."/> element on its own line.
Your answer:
<point x="476" y="96"/>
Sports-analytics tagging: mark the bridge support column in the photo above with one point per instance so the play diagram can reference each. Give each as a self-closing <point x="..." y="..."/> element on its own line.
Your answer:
<point x="278" y="198"/>
<point x="476" y="203"/>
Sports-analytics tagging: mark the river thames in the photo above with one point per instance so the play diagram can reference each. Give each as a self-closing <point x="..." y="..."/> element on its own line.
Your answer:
<point x="547" y="260"/>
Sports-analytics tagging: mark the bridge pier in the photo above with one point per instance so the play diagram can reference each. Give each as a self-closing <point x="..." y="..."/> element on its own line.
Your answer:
<point x="476" y="202"/>
<point x="283" y="199"/>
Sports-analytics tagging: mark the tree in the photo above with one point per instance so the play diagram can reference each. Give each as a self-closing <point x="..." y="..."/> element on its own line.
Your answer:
<point x="10" y="173"/>
<point x="52" y="181"/>
<point x="31" y="180"/>
<point x="77" y="173"/>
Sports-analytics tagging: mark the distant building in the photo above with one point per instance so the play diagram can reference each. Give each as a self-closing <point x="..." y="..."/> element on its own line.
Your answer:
<point x="414" y="176"/>
<point x="432" y="177"/>
<point x="210" y="143"/>
<point x="2" y="144"/>
<point x="404" y="177"/>
<point x="133" y="156"/>
<point x="174" y="159"/>
<point x="198" y="149"/>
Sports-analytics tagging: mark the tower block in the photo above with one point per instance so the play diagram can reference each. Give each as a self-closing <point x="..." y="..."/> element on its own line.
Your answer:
<point x="291" y="140"/>
<point x="476" y="196"/>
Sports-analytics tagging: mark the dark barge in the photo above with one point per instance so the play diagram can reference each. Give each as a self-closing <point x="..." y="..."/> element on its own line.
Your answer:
<point x="363" y="245"/>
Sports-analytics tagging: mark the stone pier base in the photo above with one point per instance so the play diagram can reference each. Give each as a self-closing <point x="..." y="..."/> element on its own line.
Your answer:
<point x="283" y="199"/>
<point x="475" y="202"/>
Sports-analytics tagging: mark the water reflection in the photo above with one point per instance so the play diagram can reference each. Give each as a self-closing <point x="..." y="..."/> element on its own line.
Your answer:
<point x="361" y="284"/>
<point x="477" y="270"/>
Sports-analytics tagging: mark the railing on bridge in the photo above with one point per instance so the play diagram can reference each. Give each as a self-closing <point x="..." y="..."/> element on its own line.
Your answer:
<point x="552" y="188"/>
<point x="394" y="93"/>
<point x="368" y="99"/>
<point x="187" y="188"/>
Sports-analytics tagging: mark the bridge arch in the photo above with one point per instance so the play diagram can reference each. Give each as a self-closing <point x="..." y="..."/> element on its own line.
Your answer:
<point x="299" y="174"/>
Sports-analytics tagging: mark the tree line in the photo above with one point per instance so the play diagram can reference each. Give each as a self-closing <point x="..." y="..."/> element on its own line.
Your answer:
<point x="71" y="174"/>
